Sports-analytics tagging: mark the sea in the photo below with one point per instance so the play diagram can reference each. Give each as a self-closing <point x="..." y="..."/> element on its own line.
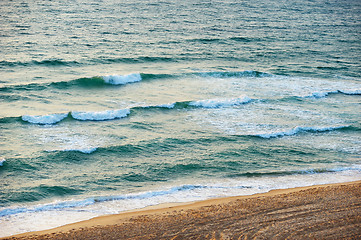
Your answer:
<point x="108" y="106"/>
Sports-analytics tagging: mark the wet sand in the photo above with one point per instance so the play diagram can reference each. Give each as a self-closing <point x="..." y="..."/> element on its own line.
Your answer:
<point x="318" y="212"/>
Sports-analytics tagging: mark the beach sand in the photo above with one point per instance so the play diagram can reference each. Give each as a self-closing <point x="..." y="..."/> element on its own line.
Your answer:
<point x="318" y="212"/>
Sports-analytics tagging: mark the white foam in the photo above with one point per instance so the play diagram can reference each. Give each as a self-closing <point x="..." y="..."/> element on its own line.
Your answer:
<point x="352" y="92"/>
<point x="220" y="102"/>
<point x="2" y="160"/>
<point x="100" y="116"/>
<point x="326" y="93"/>
<point x="321" y="94"/>
<point x="122" y="79"/>
<point x="167" y="105"/>
<point x="45" y="119"/>
<point x="82" y="150"/>
<point x="44" y="216"/>
<point x="296" y="130"/>
<point x="58" y="140"/>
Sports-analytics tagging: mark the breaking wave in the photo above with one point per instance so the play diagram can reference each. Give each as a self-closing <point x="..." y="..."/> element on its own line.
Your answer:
<point x="100" y="116"/>
<point x="77" y="115"/>
<point x="86" y="82"/>
<point x="86" y="150"/>
<point x="326" y="93"/>
<point x="220" y="102"/>
<point x="183" y="193"/>
<point x="121" y="79"/>
<point x="297" y="130"/>
<point x="47" y="62"/>
<point x="2" y="160"/>
<point x="121" y="113"/>
<point x="45" y="119"/>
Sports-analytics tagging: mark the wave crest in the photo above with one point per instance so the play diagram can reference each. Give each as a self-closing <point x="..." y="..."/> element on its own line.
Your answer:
<point x="2" y="160"/>
<point x="45" y="119"/>
<point x="326" y="93"/>
<point x="297" y="130"/>
<point x="221" y="102"/>
<point x="122" y="79"/>
<point x="100" y="116"/>
<point x="46" y="62"/>
<point x="87" y="150"/>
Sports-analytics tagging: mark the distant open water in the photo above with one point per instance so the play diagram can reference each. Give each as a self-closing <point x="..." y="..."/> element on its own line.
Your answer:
<point x="107" y="106"/>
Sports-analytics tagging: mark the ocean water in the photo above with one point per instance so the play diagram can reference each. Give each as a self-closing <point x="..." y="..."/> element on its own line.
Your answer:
<point x="108" y="106"/>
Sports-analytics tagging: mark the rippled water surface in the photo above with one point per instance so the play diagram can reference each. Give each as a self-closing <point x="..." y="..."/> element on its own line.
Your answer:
<point x="107" y="106"/>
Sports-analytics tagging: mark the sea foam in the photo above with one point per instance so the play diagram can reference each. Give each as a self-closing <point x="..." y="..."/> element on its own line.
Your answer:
<point x="323" y="94"/>
<point x="100" y="116"/>
<point x="351" y="92"/>
<point x="221" y="102"/>
<point x="26" y="218"/>
<point x="82" y="150"/>
<point x="2" y="160"/>
<point x="45" y="119"/>
<point x="297" y="130"/>
<point x="167" y="105"/>
<point x="122" y="79"/>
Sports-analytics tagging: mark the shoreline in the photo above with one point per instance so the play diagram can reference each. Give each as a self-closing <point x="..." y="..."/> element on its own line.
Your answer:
<point x="337" y="207"/>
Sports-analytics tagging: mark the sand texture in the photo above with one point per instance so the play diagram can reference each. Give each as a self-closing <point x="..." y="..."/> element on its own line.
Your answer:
<point x="320" y="212"/>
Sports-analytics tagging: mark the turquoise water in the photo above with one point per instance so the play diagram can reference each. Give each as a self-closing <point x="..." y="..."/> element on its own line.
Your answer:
<point x="109" y="106"/>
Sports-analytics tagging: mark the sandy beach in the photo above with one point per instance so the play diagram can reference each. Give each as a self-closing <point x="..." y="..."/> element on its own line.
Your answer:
<point x="317" y="212"/>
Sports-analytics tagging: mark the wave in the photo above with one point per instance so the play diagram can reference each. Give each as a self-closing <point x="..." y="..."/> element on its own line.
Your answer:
<point x="45" y="119"/>
<point x="77" y="115"/>
<point x="122" y="79"/>
<point x="2" y="160"/>
<point x="297" y="130"/>
<point x="121" y="113"/>
<point x="86" y="82"/>
<point x="222" y="40"/>
<point x="100" y="116"/>
<point x="47" y="62"/>
<point x="258" y="182"/>
<point x="173" y="143"/>
<point x="86" y="150"/>
<point x="165" y="105"/>
<point x="142" y="59"/>
<point x="9" y="119"/>
<point x="234" y="74"/>
<point x="54" y="118"/>
<point x="116" y="79"/>
<point x="326" y="93"/>
<point x="295" y="172"/>
<point x="62" y="62"/>
<point x="220" y="102"/>
<point x="90" y="201"/>
<point x="351" y="92"/>
<point x="101" y="81"/>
